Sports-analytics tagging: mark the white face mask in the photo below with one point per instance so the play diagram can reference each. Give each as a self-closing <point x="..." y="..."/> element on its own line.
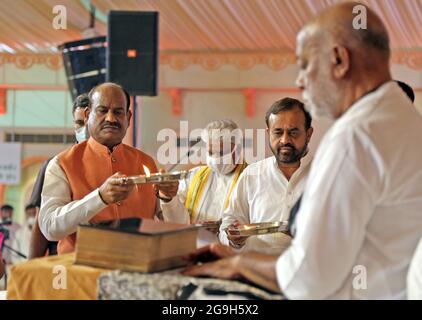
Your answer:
<point x="30" y="222"/>
<point x="222" y="165"/>
<point x="6" y="220"/>
<point x="81" y="134"/>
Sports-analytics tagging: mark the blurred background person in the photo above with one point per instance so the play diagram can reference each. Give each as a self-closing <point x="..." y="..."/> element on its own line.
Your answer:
<point x="12" y="227"/>
<point x="22" y="238"/>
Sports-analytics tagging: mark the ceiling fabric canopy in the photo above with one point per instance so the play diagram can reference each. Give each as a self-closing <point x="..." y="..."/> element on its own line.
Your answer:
<point x="197" y="25"/>
<point x="239" y="32"/>
<point x="258" y="24"/>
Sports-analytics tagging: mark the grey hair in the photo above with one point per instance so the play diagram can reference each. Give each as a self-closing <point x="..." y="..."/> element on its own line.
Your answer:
<point x="222" y="124"/>
<point x="217" y="127"/>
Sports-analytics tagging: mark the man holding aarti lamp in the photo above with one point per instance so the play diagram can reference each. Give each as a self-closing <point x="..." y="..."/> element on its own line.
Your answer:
<point x="88" y="183"/>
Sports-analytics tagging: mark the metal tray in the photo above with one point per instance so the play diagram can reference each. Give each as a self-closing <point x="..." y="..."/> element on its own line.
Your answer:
<point x="258" y="228"/>
<point x="209" y="224"/>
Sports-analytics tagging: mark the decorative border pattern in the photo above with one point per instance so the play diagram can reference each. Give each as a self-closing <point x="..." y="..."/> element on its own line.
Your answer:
<point x="210" y="61"/>
<point x="27" y="60"/>
<point x="213" y="61"/>
<point x="412" y="59"/>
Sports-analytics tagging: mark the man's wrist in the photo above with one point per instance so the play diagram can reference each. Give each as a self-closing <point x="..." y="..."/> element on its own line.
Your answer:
<point x="101" y="197"/>
<point x="236" y="245"/>
<point x="157" y="194"/>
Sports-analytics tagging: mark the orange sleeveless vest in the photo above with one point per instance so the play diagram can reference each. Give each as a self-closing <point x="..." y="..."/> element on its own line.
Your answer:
<point x="88" y="164"/>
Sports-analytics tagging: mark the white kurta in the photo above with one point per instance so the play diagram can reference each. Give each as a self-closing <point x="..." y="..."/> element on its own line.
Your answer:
<point x="211" y="203"/>
<point x="59" y="216"/>
<point x="263" y="194"/>
<point x="13" y="229"/>
<point x="361" y="213"/>
<point x="414" y="276"/>
<point x="21" y="243"/>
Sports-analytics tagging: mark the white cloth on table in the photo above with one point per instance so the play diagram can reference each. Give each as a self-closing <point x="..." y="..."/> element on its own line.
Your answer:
<point x="13" y="228"/>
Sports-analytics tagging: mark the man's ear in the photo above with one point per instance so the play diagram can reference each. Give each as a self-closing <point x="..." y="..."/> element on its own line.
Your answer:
<point x="309" y="133"/>
<point x="340" y="59"/>
<point x="129" y="116"/>
<point x="87" y="111"/>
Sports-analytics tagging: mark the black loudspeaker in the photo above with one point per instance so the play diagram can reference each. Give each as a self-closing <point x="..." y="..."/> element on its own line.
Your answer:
<point x="132" y="58"/>
<point x="85" y="64"/>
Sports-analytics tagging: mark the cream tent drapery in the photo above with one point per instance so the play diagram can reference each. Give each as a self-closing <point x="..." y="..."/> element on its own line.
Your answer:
<point x="198" y="24"/>
<point x="206" y="32"/>
<point x="259" y="24"/>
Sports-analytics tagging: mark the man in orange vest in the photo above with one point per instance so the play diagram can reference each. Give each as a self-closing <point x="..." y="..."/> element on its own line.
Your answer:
<point x="83" y="184"/>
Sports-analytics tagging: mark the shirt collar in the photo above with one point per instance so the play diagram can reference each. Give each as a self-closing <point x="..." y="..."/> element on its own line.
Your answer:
<point x="102" y="149"/>
<point x="370" y="99"/>
<point x="301" y="171"/>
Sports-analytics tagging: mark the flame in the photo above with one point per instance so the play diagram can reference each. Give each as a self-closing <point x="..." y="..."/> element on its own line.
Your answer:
<point x="147" y="172"/>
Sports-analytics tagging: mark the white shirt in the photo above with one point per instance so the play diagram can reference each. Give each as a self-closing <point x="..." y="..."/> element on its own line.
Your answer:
<point x="414" y="276"/>
<point x="59" y="216"/>
<point x="361" y="213"/>
<point x="210" y="206"/>
<point x="263" y="194"/>
<point x="21" y="243"/>
<point x="13" y="229"/>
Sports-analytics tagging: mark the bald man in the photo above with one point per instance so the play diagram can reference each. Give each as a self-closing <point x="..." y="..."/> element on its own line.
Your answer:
<point x="360" y="218"/>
